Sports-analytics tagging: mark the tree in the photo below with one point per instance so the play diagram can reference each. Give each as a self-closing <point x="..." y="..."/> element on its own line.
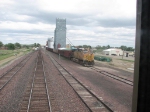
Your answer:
<point x="10" y="46"/>
<point x="89" y="46"/>
<point x="85" y="46"/>
<point x="5" y="45"/>
<point x="17" y="45"/>
<point x="108" y="46"/>
<point x="23" y="46"/>
<point x="1" y="44"/>
<point x="104" y="47"/>
<point x="98" y="47"/>
<point x="26" y="46"/>
<point x="34" y="44"/>
<point x="130" y="49"/>
<point x="38" y="45"/>
<point x="80" y="46"/>
<point x="123" y="48"/>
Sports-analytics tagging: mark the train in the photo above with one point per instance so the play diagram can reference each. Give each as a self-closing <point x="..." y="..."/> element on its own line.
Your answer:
<point x="82" y="56"/>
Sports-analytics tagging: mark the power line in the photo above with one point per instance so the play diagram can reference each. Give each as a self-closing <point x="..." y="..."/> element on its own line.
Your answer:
<point x="70" y="41"/>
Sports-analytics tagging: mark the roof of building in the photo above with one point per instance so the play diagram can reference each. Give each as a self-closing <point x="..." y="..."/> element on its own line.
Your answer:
<point x="111" y="49"/>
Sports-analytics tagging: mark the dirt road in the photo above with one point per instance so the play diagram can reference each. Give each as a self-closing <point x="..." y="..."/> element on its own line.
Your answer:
<point x="127" y="63"/>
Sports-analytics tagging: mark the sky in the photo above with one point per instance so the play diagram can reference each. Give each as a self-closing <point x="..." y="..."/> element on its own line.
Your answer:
<point x="88" y="22"/>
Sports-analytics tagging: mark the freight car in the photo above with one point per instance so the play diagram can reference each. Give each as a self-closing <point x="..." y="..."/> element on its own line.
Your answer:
<point x="82" y="56"/>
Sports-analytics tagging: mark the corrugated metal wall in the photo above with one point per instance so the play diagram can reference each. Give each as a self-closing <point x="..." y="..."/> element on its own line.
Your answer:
<point x="60" y="34"/>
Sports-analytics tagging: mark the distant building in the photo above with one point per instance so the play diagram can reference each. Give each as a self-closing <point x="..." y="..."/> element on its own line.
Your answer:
<point x="128" y="53"/>
<point x="50" y="43"/>
<point x="113" y="51"/>
<point x="68" y="46"/>
<point x="60" y="34"/>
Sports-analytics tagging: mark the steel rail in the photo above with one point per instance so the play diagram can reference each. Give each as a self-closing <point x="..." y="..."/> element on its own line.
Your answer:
<point x="45" y="81"/>
<point x="121" y="79"/>
<point x="47" y="88"/>
<point x="32" y="88"/>
<point x="13" y="74"/>
<point x="7" y="71"/>
<point x="82" y="85"/>
<point x="15" y="65"/>
<point x="12" y="68"/>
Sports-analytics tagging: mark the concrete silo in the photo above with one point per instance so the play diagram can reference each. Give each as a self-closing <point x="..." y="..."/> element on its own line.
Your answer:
<point x="60" y="34"/>
<point x="50" y="42"/>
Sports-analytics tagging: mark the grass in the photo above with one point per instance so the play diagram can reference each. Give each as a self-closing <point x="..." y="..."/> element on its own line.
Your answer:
<point x="27" y="51"/>
<point x="5" y="56"/>
<point x="126" y="60"/>
<point x="9" y="53"/>
<point x="5" y="63"/>
<point x="110" y="63"/>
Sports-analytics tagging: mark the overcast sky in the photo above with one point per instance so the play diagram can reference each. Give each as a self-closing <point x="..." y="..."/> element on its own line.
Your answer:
<point x="89" y="22"/>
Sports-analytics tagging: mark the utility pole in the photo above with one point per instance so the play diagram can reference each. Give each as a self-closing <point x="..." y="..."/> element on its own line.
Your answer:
<point x="122" y="54"/>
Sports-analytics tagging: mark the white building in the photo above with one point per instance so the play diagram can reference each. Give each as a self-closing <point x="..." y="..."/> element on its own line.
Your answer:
<point x="50" y="42"/>
<point x="113" y="51"/>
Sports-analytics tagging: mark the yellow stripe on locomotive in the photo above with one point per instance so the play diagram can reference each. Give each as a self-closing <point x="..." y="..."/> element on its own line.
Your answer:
<point x="85" y="57"/>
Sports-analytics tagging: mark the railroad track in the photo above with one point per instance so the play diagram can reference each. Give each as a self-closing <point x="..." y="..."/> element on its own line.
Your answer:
<point x="36" y="97"/>
<point x="6" y="77"/>
<point x="119" y="78"/>
<point x="89" y="98"/>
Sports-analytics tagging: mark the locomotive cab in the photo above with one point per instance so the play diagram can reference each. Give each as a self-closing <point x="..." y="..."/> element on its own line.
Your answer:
<point x="84" y="56"/>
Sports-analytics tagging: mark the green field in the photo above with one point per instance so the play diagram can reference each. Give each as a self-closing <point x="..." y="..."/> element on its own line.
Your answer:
<point x="126" y="60"/>
<point x="8" y="53"/>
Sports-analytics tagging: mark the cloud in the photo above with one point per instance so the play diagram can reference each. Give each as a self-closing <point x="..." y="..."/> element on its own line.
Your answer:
<point x="111" y="22"/>
<point x="9" y="25"/>
<point x="88" y="22"/>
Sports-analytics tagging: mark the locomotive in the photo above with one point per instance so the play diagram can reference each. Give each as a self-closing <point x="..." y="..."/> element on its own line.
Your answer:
<point x="82" y="56"/>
